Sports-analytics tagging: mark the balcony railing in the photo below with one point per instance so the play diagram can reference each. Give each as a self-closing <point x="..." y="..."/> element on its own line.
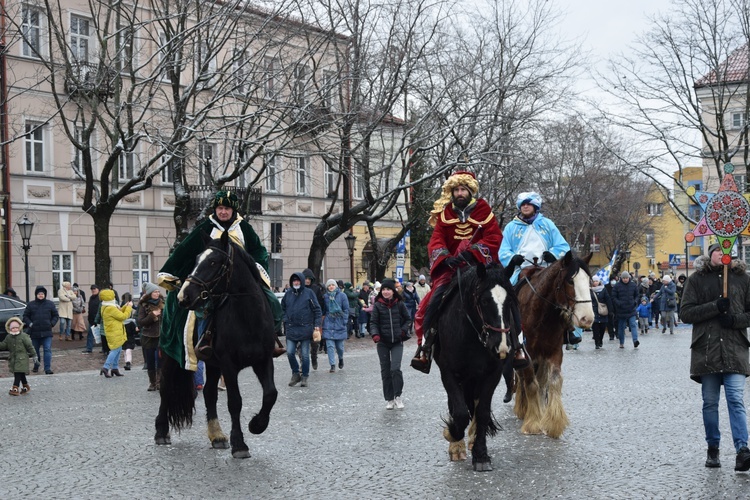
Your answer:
<point x="201" y="196"/>
<point x="85" y="79"/>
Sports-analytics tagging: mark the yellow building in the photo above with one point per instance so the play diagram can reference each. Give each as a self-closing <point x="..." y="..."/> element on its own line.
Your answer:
<point x="665" y="248"/>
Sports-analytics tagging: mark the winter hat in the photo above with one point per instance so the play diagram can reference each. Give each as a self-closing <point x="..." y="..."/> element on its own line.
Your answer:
<point x="388" y="283"/>
<point x="421" y="277"/>
<point x="95" y="287"/>
<point x="340" y="283"/>
<point x="366" y="283"/>
<point x="624" y="274"/>
<point x="226" y="199"/>
<point x="377" y="285"/>
<point x="331" y="282"/>
<point x="40" y="288"/>
<point x="149" y="288"/>
<point x="531" y="198"/>
<point x="14" y="319"/>
<point x="713" y="248"/>
<point x="666" y="278"/>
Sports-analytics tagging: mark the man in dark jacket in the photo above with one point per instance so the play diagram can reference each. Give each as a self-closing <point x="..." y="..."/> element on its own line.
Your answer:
<point x="625" y="300"/>
<point x="302" y="316"/>
<point x="352" y="296"/>
<point x="320" y="293"/>
<point x="41" y="316"/>
<point x="719" y="347"/>
<point x="93" y="311"/>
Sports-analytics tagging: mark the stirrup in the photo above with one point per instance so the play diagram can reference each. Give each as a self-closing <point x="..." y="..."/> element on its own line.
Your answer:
<point x="520" y="358"/>
<point x="423" y="363"/>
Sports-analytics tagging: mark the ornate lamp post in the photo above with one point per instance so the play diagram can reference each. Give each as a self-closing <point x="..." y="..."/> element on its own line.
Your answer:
<point x="25" y="227"/>
<point x="627" y="258"/>
<point x="350" y="241"/>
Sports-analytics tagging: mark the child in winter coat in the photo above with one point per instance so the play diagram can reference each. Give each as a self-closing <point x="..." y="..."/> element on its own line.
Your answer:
<point x="644" y="314"/>
<point x="18" y="344"/>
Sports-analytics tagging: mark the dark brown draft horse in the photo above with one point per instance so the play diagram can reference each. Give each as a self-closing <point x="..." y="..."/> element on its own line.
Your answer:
<point x="553" y="300"/>
<point x="474" y="320"/>
<point x="242" y="336"/>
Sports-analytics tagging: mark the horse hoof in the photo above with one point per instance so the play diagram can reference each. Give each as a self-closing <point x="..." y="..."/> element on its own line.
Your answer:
<point x="241" y="454"/>
<point x="162" y="440"/>
<point x="482" y="466"/>
<point x="462" y="456"/>
<point x="258" y="424"/>
<point x="220" y="444"/>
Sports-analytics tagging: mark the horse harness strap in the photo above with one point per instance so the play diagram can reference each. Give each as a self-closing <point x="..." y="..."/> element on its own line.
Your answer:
<point x="565" y="311"/>
<point x="483" y="334"/>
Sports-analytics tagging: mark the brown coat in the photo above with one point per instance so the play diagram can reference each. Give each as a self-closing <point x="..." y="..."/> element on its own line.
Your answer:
<point x="148" y="322"/>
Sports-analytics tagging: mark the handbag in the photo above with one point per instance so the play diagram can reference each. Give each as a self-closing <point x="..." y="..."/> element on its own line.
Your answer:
<point x="96" y="331"/>
<point x="671" y="303"/>
<point x="601" y="307"/>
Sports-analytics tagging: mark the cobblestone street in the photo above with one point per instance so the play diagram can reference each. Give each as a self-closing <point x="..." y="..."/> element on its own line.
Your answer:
<point x="636" y="432"/>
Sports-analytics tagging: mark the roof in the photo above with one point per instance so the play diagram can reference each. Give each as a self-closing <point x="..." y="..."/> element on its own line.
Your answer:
<point x="735" y="69"/>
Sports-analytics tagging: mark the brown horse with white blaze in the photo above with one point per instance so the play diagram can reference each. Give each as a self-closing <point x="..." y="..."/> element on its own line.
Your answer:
<point x="553" y="301"/>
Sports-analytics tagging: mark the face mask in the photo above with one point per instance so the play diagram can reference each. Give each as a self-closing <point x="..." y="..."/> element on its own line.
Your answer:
<point x="296" y="287"/>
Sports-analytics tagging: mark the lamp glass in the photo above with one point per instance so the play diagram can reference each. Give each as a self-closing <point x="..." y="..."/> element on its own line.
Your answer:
<point x="25" y="227"/>
<point x="350" y="240"/>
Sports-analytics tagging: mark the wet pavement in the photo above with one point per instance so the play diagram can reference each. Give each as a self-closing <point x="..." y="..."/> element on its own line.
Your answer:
<point x="636" y="432"/>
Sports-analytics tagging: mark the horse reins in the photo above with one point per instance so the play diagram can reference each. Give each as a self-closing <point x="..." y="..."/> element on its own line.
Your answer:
<point x="566" y="311"/>
<point x="482" y="334"/>
<point x="208" y="286"/>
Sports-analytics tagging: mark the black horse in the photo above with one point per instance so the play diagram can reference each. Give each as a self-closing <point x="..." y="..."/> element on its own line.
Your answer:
<point x="473" y="318"/>
<point x="243" y="335"/>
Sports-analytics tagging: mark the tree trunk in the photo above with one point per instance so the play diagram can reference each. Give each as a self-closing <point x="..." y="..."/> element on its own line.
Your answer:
<point x="102" y="262"/>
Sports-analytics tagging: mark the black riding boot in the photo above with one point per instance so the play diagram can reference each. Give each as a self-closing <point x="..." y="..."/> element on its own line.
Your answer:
<point x="422" y="359"/>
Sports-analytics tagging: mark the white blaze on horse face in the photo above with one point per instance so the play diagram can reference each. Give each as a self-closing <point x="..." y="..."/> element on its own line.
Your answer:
<point x="499" y="295"/>
<point x="583" y="312"/>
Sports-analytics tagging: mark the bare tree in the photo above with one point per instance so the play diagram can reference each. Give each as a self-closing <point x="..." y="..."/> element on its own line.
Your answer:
<point x="685" y="83"/>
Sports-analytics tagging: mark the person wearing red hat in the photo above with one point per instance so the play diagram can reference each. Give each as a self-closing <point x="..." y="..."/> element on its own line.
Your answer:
<point x="465" y="232"/>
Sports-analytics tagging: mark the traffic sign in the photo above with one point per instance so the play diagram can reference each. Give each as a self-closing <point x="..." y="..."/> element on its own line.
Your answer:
<point x="675" y="259"/>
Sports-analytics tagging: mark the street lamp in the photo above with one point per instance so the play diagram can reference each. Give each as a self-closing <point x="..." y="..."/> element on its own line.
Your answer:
<point x="350" y="241"/>
<point x="627" y="258"/>
<point x="25" y="227"/>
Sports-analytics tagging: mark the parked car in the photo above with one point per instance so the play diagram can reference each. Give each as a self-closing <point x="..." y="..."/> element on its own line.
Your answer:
<point x="9" y="308"/>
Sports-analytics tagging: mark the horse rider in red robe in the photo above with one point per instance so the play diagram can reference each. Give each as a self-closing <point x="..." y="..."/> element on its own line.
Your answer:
<point x="465" y="232"/>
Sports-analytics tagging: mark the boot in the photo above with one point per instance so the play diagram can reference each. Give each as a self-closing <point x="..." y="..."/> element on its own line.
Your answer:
<point x="743" y="460"/>
<point x="26" y="389"/>
<point x="296" y="378"/>
<point x="304" y="382"/>
<point x="127" y="366"/>
<point x="151" y="380"/>
<point x="520" y="358"/>
<point x="422" y="360"/>
<point x="14" y="391"/>
<point x="116" y="372"/>
<point x="712" y="457"/>
<point x="105" y="372"/>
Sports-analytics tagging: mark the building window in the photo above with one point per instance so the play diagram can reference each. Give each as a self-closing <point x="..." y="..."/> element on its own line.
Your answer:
<point x="241" y="58"/>
<point x="359" y="182"/>
<point x="276" y="237"/>
<point x="302" y="176"/>
<point x="164" y="56"/>
<point x="326" y="89"/>
<point x="126" y="168"/>
<point x="739" y="119"/>
<point x="124" y="48"/>
<point x="269" y="84"/>
<point x="167" y="173"/>
<point x="205" y="162"/>
<point x="654" y="209"/>
<point x="62" y="270"/>
<point x="31" y="31"/>
<point x="300" y="84"/>
<point x="206" y="62"/>
<point x="141" y="270"/>
<point x="79" y="38"/>
<point x="34" y="147"/>
<point x="330" y="176"/>
<point x="650" y="245"/>
<point x="272" y="174"/>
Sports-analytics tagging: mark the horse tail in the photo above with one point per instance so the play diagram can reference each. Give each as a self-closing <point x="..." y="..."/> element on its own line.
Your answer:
<point x="177" y="392"/>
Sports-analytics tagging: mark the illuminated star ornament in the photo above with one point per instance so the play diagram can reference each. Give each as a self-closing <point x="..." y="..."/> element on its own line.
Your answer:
<point x="726" y="214"/>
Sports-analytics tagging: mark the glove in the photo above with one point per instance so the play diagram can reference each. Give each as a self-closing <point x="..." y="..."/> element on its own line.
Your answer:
<point x="726" y="320"/>
<point x="722" y="304"/>
<point x="468" y="257"/>
<point x="548" y="257"/>
<point x="376" y="338"/>
<point x="404" y="336"/>
<point x="453" y="262"/>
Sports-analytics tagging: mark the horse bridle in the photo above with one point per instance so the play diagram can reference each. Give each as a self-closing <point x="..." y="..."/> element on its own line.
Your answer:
<point x="483" y="333"/>
<point x="207" y="287"/>
<point x="566" y="311"/>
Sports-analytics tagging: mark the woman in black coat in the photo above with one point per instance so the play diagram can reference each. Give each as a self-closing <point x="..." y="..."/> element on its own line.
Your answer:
<point x="599" y="295"/>
<point x="389" y="327"/>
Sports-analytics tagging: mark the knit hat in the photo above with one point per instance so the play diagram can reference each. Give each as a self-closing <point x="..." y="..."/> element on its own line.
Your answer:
<point x="624" y="274"/>
<point x="226" y="199"/>
<point x="460" y="178"/>
<point x="421" y="277"/>
<point x="713" y="248"/>
<point x="14" y="319"/>
<point x="388" y="283"/>
<point x="149" y="288"/>
<point x="377" y="285"/>
<point x="331" y="282"/>
<point x="667" y="278"/>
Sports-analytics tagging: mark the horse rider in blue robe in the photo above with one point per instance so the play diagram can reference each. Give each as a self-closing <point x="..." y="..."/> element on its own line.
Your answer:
<point x="531" y="235"/>
<point x="178" y="324"/>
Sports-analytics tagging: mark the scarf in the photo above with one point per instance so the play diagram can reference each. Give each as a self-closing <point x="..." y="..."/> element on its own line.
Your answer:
<point x="109" y="303"/>
<point x="597" y="289"/>
<point x="334" y="308"/>
<point x="530" y="219"/>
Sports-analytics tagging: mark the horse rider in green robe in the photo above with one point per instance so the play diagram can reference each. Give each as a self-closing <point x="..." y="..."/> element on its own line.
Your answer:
<point x="178" y="324"/>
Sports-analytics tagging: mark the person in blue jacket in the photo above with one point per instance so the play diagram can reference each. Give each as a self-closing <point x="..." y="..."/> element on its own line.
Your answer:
<point x="335" y="321"/>
<point x="302" y="316"/>
<point x="644" y="315"/>
<point x="531" y="235"/>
